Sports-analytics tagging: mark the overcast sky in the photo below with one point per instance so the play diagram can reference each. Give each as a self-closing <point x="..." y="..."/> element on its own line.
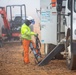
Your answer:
<point x="31" y="6"/>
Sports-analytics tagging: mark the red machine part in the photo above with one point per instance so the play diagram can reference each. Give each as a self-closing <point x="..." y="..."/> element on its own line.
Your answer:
<point x="4" y="16"/>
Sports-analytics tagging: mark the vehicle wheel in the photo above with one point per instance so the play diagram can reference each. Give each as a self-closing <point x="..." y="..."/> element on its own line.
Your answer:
<point x="71" y="62"/>
<point x="50" y="48"/>
<point x="71" y="58"/>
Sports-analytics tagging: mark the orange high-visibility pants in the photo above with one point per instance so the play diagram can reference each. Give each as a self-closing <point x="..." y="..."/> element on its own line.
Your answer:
<point x="26" y="44"/>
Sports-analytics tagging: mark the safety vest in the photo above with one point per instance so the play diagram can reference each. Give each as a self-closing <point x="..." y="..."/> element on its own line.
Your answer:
<point x="26" y="33"/>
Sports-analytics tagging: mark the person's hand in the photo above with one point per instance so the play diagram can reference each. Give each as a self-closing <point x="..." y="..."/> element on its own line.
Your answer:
<point x="36" y="35"/>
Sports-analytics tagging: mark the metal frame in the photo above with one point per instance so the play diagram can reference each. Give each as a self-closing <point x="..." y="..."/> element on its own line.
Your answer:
<point x="10" y="6"/>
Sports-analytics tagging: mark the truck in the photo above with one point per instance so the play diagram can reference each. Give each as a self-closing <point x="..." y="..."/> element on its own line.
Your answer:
<point x="58" y="20"/>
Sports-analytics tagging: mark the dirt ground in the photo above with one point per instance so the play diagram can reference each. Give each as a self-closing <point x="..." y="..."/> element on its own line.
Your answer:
<point x="11" y="63"/>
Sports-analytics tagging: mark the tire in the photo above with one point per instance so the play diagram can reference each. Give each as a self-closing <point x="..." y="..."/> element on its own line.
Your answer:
<point x="71" y="57"/>
<point x="50" y="48"/>
<point x="72" y="62"/>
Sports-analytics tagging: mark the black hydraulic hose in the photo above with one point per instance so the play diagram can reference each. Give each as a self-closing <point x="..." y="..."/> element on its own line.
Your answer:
<point x="38" y="43"/>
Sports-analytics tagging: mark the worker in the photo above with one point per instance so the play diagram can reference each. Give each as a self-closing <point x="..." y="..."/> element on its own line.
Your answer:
<point x="26" y="35"/>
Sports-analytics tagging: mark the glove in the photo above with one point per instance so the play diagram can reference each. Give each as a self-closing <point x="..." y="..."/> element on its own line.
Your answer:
<point x="36" y="35"/>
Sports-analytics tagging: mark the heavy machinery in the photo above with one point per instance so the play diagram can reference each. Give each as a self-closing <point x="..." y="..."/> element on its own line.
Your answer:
<point x="13" y="18"/>
<point x="17" y="15"/>
<point x="58" y="20"/>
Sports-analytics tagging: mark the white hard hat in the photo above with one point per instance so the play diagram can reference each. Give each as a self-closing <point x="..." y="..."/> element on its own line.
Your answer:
<point x="29" y="18"/>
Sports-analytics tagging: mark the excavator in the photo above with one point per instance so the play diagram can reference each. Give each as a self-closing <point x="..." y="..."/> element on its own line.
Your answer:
<point x="11" y="28"/>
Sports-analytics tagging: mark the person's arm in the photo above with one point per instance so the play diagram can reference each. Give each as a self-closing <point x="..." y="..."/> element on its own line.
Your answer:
<point x="27" y="32"/>
<point x="33" y="33"/>
<point x="30" y="33"/>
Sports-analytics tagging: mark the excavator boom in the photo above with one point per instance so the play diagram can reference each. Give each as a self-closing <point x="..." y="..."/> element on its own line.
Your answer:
<point x="4" y="16"/>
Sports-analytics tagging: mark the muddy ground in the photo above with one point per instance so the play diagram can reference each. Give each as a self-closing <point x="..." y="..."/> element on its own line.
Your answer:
<point x="11" y="63"/>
